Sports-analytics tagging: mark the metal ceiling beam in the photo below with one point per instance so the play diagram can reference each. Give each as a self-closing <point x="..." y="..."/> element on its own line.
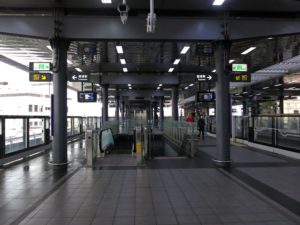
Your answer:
<point x="144" y="93"/>
<point x="14" y="63"/>
<point x="138" y="79"/>
<point x="185" y="29"/>
<point x="141" y="68"/>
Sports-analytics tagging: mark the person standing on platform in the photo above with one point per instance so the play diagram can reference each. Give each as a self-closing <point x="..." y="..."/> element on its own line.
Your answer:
<point x="190" y="118"/>
<point x="201" y="127"/>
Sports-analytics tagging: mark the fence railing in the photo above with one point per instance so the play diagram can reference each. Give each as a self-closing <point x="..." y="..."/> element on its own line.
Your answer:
<point x="280" y="131"/>
<point x="22" y="133"/>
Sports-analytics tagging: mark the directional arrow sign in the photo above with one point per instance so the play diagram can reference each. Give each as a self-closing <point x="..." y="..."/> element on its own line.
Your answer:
<point x="79" y="77"/>
<point x="206" y="77"/>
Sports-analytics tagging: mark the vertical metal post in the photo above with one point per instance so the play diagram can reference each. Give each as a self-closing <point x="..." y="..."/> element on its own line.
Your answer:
<point x="117" y="104"/>
<point x="223" y="110"/>
<point x="175" y="103"/>
<point x="123" y="111"/>
<point x="161" y="113"/>
<point x="105" y="103"/>
<point x="60" y="47"/>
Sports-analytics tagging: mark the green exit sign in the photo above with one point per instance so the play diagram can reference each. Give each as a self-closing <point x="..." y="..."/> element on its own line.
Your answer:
<point x="40" y="66"/>
<point x="239" y="67"/>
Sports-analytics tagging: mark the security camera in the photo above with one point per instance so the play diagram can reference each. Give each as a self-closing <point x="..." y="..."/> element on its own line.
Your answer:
<point x="123" y="10"/>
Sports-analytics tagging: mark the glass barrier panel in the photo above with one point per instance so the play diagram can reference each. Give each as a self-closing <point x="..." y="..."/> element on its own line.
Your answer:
<point x="246" y="128"/>
<point x="69" y="126"/>
<point x="288" y="132"/>
<point x="15" y="135"/>
<point x="76" y="129"/>
<point x="36" y="132"/>
<point x="107" y="140"/>
<point x="263" y="130"/>
<point x="239" y="127"/>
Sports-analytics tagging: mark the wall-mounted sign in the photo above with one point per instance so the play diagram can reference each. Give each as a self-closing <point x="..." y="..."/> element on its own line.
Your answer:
<point x="205" y="96"/>
<point x="239" y="68"/>
<point x="40" y="77"/>
<point x="87" y="96"/>
<point x="241" y="77"/>
<point x="79" y="77"/>
<point x="206" y="77"/>
<point x="40" y="66"/>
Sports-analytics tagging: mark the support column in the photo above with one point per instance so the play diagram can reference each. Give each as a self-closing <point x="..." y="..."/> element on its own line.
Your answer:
<point x="281" y="105"/>
<point x="105" y="103"/>
<point x="59" y="153"/>
<point x="223" y="110"/>
<point x="123" y="111"/>
<point x="155" y="109"/>
<point x="175" y="103"/>
<point x="117" y="105"/>
<point x="161" y="103"/>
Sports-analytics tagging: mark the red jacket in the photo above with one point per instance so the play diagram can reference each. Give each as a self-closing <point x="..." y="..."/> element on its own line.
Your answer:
<point x="189" y="120"/>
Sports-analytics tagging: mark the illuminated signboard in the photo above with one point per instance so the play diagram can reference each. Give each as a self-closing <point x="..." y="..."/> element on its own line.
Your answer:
<point x="79" y="77"/>
<point x="87" y="96"/>
<point x="40" y="77"/>
<point x="242" y="77"/>
<point x="40" y="66"/>
<point x="206" y="77"/>
<point x="239" y="67"/>
<point x="205" y="96"/>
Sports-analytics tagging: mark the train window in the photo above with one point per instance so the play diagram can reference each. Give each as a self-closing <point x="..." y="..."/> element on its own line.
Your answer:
<point x="35" y="108"/>
<point x="30" y="108"/>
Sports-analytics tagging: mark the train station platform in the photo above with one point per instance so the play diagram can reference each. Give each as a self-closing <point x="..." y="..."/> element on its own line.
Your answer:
<point x="259" y="189"/>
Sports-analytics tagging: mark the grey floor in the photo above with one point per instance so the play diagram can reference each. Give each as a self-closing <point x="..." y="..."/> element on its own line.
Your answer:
<point x="170" y="191"/>
<point x="175" y="196"/>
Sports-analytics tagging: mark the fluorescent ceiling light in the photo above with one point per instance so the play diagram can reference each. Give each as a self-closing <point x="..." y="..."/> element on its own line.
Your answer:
<point x="245" y="92"/>
<point x="171" y="70"/>
<point x="119" y="49"/>
<point x="69" y="62"/>
<point x="184" y="50"/>
<point x="218" y="2"/>
<point x="270" y="38"/>
<point x="214" y="71"/>
<point x="123" y="61"/>
<point x="160" y="85"/>
<point x="78" y="69"/>
<point x="158" y="88"/>
<point x="176" y="62"/>
<point x="130" y="88"/>
<point x="106" y="1"/>
<point x="277" y="85"/>
<point x="231" y="61"/>
<point x="258" y="94"/>
<point x="186" y="88"/>
<point x="266" y="88"/>
<point x="191" y="85"/>
<point x="98" y="85"/>
<point x="129" y="85"/>
<point x="248" y="50"/>
<point x="125" y="70"/>
<point x="48" y="46"/>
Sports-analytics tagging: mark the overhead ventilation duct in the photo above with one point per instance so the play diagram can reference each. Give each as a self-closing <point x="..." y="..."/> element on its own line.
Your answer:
<point x="151" y="19"/>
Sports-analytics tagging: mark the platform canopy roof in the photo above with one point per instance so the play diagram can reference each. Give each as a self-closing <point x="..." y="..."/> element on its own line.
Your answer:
<point x="95" y="29"/>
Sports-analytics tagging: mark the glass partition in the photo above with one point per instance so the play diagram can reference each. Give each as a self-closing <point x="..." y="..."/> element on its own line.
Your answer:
<point x="263" y="129"/>
<point x="36" y="132"/>
<point x="239" y="127"/>
<point x="288" y="132"/>
<point x="76" y="128"/>
<point x="69" y="126"/>
<point x="106" y="140"/>
<point x="15" y="135"/>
